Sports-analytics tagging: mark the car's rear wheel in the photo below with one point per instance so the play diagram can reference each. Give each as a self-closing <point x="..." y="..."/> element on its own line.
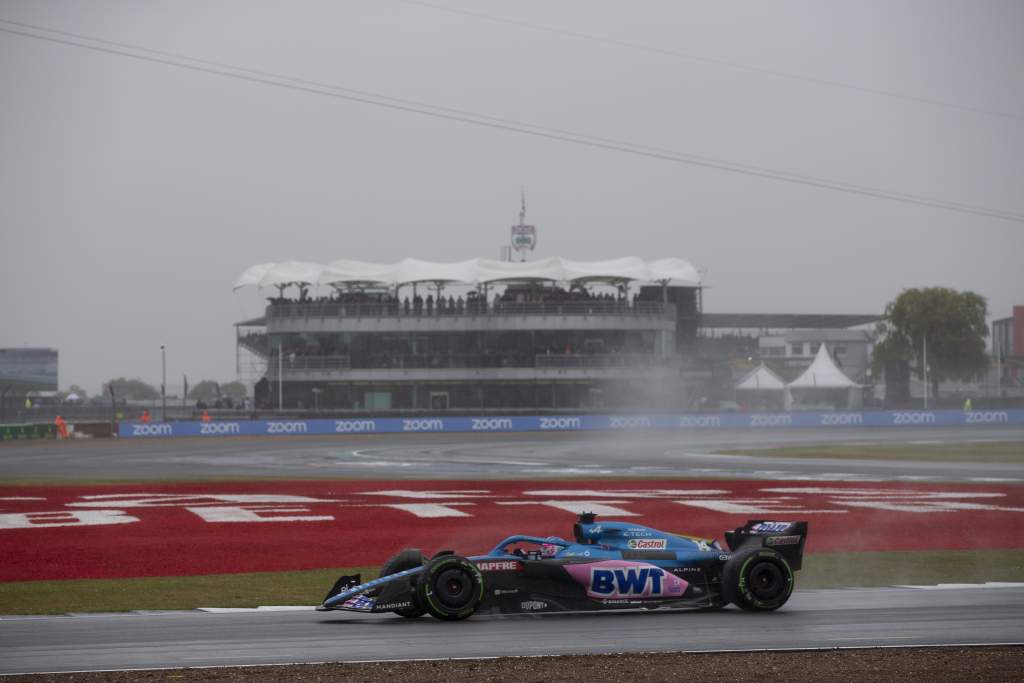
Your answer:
<point x="757" y="579"/>
<point x="450" y="587"/>
<point x="410" y="558"/>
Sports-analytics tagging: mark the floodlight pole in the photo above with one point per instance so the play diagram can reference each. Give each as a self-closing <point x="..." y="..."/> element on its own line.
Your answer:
<point x="163" y="382"/>
<point x="280" y="379"/>
<point x="924" y="345"/>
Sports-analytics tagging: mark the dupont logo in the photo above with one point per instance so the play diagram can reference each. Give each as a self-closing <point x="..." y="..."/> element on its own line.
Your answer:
<point x="647" y="543"/>
<point x="500" y="566"/>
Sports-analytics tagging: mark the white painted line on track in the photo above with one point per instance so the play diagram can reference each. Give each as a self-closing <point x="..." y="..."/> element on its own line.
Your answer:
<point x="933" y="587"/>
<point x="959" y="586"/>
<point x="875" y="637"/>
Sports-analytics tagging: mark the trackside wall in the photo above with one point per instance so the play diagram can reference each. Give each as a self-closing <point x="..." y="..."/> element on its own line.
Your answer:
<point x="540" y="423"/>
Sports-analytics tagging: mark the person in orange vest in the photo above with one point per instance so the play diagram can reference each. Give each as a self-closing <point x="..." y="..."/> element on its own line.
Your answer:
<point x="206" y="415"/>
<point x="62" y="427"/>
<point x="145" y="419"/>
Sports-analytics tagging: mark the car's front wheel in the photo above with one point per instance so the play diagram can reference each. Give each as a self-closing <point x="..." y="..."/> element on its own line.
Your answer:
<point x="410" y="558"/>
<point x="757" y="579"/>
<point x="450" y="587"/>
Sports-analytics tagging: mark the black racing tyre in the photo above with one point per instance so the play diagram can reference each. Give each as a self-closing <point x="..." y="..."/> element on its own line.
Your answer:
<point x="410" y="558"/>
<point x="757" y="579"/>
<point x="450" y="587"/>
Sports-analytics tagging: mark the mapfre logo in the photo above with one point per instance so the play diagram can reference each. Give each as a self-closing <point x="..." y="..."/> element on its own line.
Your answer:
<point x="647" y="543"/>
<point x="499" y="566"/>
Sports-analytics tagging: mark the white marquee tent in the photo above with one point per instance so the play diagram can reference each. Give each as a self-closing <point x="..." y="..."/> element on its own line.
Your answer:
<point x="823" y="379"/>
<point x="763" y="389"/>
<point x="761" y="379"/>
<point x="823" y="374"/>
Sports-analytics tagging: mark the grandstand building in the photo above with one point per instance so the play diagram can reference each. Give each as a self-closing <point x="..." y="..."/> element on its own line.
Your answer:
<point x="478" y="335"/>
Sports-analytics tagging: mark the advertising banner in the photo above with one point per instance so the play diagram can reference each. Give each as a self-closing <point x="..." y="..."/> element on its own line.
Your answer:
<point x="562" y="423"/>
<point x="27" y="431"/>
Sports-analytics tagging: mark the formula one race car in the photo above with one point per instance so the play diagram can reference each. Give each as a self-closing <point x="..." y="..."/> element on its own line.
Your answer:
<point x="609" y="565"/>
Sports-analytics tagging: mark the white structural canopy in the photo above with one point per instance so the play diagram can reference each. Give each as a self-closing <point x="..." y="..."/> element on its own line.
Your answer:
<point x="761" y="379"/>
<point x="822" y="374"/>
<point x="346" y="272"/>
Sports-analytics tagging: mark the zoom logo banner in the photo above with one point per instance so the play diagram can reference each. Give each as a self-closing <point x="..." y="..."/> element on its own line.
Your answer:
<point x="543" y="423"/>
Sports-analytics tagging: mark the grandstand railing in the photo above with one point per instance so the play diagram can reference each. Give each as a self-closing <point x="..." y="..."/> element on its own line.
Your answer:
<point x="427" y="361"/>
<point x="472" y="308"/>
<point x="599" y="360"/>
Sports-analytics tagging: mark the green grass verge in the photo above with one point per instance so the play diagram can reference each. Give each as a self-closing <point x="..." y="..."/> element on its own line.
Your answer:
<point x="926" y="567"/>
<point x="171" y="592"/>
<point x="985" y="451"/>
<point x="824" y="570"/>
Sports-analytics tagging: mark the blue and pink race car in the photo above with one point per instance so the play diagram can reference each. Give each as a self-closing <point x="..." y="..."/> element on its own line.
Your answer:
<point x="607" y="566"/>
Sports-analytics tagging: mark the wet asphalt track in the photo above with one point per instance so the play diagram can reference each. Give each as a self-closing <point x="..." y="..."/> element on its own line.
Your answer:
<point x="517" y="456"/>
<point x="812" y="619"/>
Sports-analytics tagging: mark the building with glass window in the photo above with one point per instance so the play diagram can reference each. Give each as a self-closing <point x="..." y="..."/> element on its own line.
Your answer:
<point x="473" y="336"/>
<point x="850" y="349"/>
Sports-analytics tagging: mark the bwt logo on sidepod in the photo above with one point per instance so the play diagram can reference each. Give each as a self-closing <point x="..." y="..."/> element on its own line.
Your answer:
<point x="619" y="579"/>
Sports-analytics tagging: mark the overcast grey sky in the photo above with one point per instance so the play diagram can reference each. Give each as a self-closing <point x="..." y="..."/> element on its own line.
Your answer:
<point x="132" y="194"/>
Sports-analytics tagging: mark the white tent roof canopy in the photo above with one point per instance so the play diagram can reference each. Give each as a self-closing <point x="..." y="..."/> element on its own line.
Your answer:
<point x="672" y="271"/>
<point x="276" y="274"/>
<point x="822" y="374"/>
<point x="761" y="379"/>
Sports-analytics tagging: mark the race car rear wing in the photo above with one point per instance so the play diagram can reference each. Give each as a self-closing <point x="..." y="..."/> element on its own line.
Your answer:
<point x="787" y="538"/>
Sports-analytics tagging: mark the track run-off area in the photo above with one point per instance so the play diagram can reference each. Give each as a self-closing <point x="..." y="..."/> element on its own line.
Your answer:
<point x="111" y="531"/>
